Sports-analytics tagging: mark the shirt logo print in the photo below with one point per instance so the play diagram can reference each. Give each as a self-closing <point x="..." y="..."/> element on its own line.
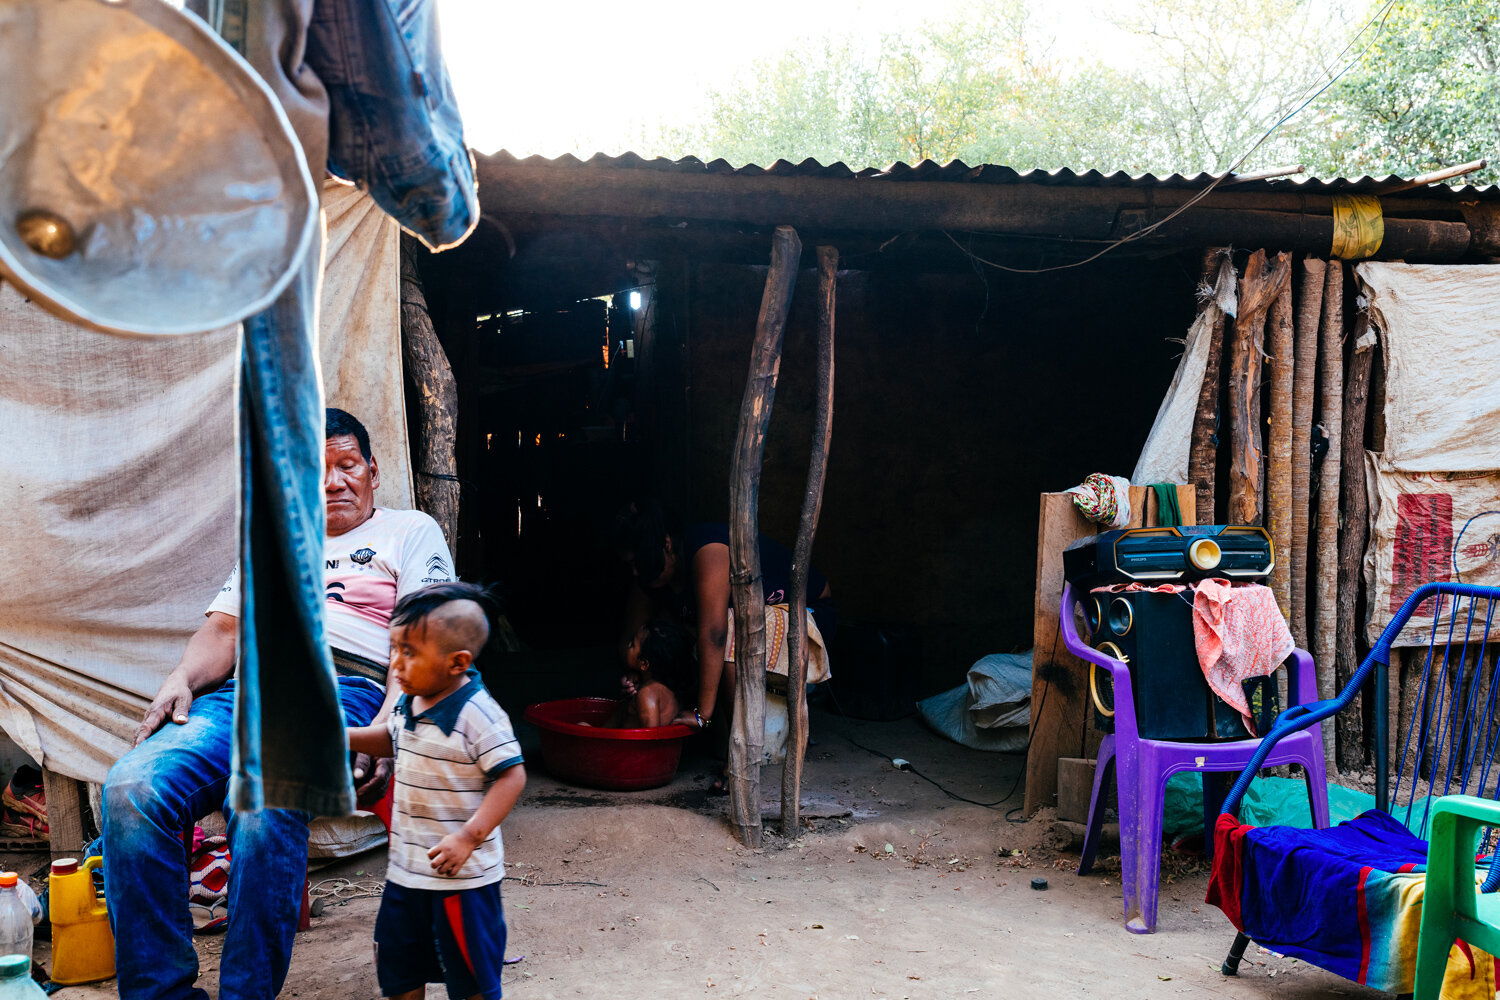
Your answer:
<point x="362" y="556"/>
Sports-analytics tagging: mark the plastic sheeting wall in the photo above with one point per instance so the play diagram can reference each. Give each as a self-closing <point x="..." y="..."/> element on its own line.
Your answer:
<point x="118" y="490"/>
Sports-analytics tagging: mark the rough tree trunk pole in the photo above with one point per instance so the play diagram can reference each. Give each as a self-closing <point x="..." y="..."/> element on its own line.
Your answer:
<point x="1304" y="382"/>
<point x="807" y="526"/>
<point x="435" y="456"/>
<point x="748" y="731"/>
<point x="1259" y="287"/>
<point x="1331" y="408"/>
<point x="1349" y="724"/>
<point x="1279" y="448"/>
<point x="1218" y="270"/>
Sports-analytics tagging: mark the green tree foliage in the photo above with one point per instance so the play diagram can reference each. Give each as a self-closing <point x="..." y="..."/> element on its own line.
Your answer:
<point x="980" y="88"/>
<point x="1426" y="94"/>
<point x="1219" y="73"/>
<point x="985" y="87"/>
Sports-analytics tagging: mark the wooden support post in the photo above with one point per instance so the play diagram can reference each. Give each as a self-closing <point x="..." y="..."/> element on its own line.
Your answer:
<point x="1059" y="680"/>
<point x="1304" y="381"/>
<point x="1202" y="458"/>
<point x="1348" y="729"/>
<point x="1279" y="448"/>
<point x="807" y="526"/>
<point x="1259" y="287"/>
<point x="1331" y="409"/>
<point x="748" y="731"/>
<point x="67" y="801"/>
<point x="435" y="457"/>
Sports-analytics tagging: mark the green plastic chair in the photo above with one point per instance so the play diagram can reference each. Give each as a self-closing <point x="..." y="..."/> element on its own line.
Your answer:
<point x="1452" y="907"/>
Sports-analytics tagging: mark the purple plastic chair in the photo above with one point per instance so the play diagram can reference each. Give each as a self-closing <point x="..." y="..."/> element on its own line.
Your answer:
<point x="1142" y="767"/>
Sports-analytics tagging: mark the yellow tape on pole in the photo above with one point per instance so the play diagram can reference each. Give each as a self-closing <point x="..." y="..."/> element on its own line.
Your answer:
<point x="1358" y="226"/>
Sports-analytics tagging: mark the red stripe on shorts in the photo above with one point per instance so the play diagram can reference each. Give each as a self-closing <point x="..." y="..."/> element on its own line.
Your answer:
<point x="453" y="907"/>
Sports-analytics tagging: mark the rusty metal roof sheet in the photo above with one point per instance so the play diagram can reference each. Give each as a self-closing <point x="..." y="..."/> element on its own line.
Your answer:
<point x="956" y="171"/>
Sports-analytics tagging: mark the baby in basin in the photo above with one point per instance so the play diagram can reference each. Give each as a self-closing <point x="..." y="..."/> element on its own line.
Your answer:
<point x="654" y="663"/>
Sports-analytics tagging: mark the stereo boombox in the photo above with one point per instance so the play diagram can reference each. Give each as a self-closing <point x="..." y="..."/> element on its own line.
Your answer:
<point x="1152" y="633"/>
<point x="1238" y="552"/>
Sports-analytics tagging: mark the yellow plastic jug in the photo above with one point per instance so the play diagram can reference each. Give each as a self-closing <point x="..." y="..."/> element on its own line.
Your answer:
<point x="83" y="946"/>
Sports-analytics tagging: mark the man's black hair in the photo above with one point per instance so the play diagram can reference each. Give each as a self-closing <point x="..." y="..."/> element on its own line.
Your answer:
<point x="337" y="423"/>
<point x="666" y="648"/>
<point x="641" y="533"/>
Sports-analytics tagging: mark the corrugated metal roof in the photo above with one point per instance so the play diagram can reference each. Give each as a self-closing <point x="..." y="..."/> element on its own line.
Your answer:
<point x="956" y="171"/>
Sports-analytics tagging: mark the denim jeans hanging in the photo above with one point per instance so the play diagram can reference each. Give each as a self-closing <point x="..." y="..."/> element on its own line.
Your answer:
<point x="370" y="73"/>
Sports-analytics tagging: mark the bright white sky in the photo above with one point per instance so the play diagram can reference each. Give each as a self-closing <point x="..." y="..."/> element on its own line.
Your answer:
<point x="583" y="76"/>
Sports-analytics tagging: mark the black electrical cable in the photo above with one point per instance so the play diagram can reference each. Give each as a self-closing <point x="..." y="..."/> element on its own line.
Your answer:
<point x="1046" y="686"/>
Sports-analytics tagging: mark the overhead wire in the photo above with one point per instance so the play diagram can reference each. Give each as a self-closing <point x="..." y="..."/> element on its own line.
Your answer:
<point x="1301" y="101"/>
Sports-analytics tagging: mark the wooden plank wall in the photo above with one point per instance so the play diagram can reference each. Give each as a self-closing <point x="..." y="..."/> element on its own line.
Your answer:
<point x="1061" y="724"/>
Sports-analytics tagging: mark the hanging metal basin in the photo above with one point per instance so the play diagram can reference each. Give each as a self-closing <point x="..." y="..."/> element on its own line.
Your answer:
<point x="150" y="183"/>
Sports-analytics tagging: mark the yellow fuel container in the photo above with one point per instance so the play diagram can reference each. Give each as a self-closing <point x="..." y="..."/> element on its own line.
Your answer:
<point x="83" y="946"/>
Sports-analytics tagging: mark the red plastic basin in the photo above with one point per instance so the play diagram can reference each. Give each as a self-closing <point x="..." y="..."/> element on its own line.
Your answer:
<point x="598" y="757"/>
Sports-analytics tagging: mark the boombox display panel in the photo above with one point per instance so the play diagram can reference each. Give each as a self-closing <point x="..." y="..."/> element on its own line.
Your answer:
<point x="1238" y="552"/>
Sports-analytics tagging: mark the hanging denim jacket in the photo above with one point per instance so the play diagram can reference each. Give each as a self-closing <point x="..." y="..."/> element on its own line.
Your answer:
<point x="394" y="127"/>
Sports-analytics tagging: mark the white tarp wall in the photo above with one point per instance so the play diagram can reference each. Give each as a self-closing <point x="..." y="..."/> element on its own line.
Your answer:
<point x="1435" y="488"/>
<point x="118" y="489"/>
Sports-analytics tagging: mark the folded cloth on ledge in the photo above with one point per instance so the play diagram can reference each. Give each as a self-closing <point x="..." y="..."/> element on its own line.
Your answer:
<point x="778" y="616"/>
<point x="1240" y="635"/>
<point x="1347" y="899"/>
<point x="1136" y="588"/>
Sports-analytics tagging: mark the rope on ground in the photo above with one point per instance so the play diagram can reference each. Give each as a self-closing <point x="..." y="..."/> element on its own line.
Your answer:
<point x="531" y="880"/>
<point x="342" y="890"/>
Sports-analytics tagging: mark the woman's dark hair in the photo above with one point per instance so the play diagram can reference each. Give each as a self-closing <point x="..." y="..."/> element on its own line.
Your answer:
<point x="641" y="533"/>
<point x="337" y="423"/>
<point x="666" y="647"/>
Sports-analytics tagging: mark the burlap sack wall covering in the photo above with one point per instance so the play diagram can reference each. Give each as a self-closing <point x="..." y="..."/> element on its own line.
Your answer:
<point x="1434" y="488"/>
<point x="118" y="490"/>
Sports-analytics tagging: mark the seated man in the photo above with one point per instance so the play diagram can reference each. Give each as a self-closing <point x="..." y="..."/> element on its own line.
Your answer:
<point x="179" y="767"/>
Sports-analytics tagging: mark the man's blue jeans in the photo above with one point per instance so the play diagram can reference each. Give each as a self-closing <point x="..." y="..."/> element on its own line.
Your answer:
<point x="152" y="795"/>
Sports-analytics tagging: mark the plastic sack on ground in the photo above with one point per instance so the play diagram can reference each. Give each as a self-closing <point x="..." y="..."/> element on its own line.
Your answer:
<point x="991" y="711"/>
<point x="1268" y="802"/>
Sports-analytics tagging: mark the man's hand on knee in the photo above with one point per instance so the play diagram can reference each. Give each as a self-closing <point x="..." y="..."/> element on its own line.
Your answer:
<point x="371" y="776"/>
<point x="172" y="702"/>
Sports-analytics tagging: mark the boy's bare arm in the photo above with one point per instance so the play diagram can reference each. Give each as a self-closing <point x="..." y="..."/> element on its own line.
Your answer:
<point x="453" y="850"/>
<point x="374" y="740"/>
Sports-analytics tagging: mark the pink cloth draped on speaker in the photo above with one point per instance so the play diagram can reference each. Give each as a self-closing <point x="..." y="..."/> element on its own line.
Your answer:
<point x="1240" y="634"/>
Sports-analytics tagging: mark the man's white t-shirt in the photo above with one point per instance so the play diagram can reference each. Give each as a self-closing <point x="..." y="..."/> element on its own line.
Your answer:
<point x="365" y="572"/>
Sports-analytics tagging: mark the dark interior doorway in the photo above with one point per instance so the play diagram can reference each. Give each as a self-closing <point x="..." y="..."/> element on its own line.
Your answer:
<point x="554" y="421"/>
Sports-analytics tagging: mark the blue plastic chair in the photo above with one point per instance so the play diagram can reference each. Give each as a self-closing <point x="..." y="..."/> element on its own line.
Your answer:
<point x="1451" y="747"/>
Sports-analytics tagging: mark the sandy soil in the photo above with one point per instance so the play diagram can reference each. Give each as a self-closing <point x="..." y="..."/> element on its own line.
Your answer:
<point x="894" y="890"/>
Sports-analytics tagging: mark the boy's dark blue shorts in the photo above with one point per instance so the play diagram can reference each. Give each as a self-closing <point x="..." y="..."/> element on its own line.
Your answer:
<point x="438" y="936"/>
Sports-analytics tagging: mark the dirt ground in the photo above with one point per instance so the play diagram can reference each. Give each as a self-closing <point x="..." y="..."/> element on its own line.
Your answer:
<point x="894" y="890"/>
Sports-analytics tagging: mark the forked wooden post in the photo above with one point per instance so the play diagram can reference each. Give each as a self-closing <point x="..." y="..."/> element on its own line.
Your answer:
<point x="748" y="732"/>
<point x="1324" y="601"/>
<point x="1279" y="447"/>
<point x="1259" y="287"/>
<point x="1349" y="725"/>
<point x="807" y="527"/>
<point x="436" y="475"/>
<point x="1304" y="381"/>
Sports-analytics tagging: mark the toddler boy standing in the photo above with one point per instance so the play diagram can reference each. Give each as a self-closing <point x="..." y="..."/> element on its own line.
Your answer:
<point x="458" y="774"/>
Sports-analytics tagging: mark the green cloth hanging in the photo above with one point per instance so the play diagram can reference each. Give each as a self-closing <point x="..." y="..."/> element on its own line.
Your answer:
<point x="1168" y="514"/>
